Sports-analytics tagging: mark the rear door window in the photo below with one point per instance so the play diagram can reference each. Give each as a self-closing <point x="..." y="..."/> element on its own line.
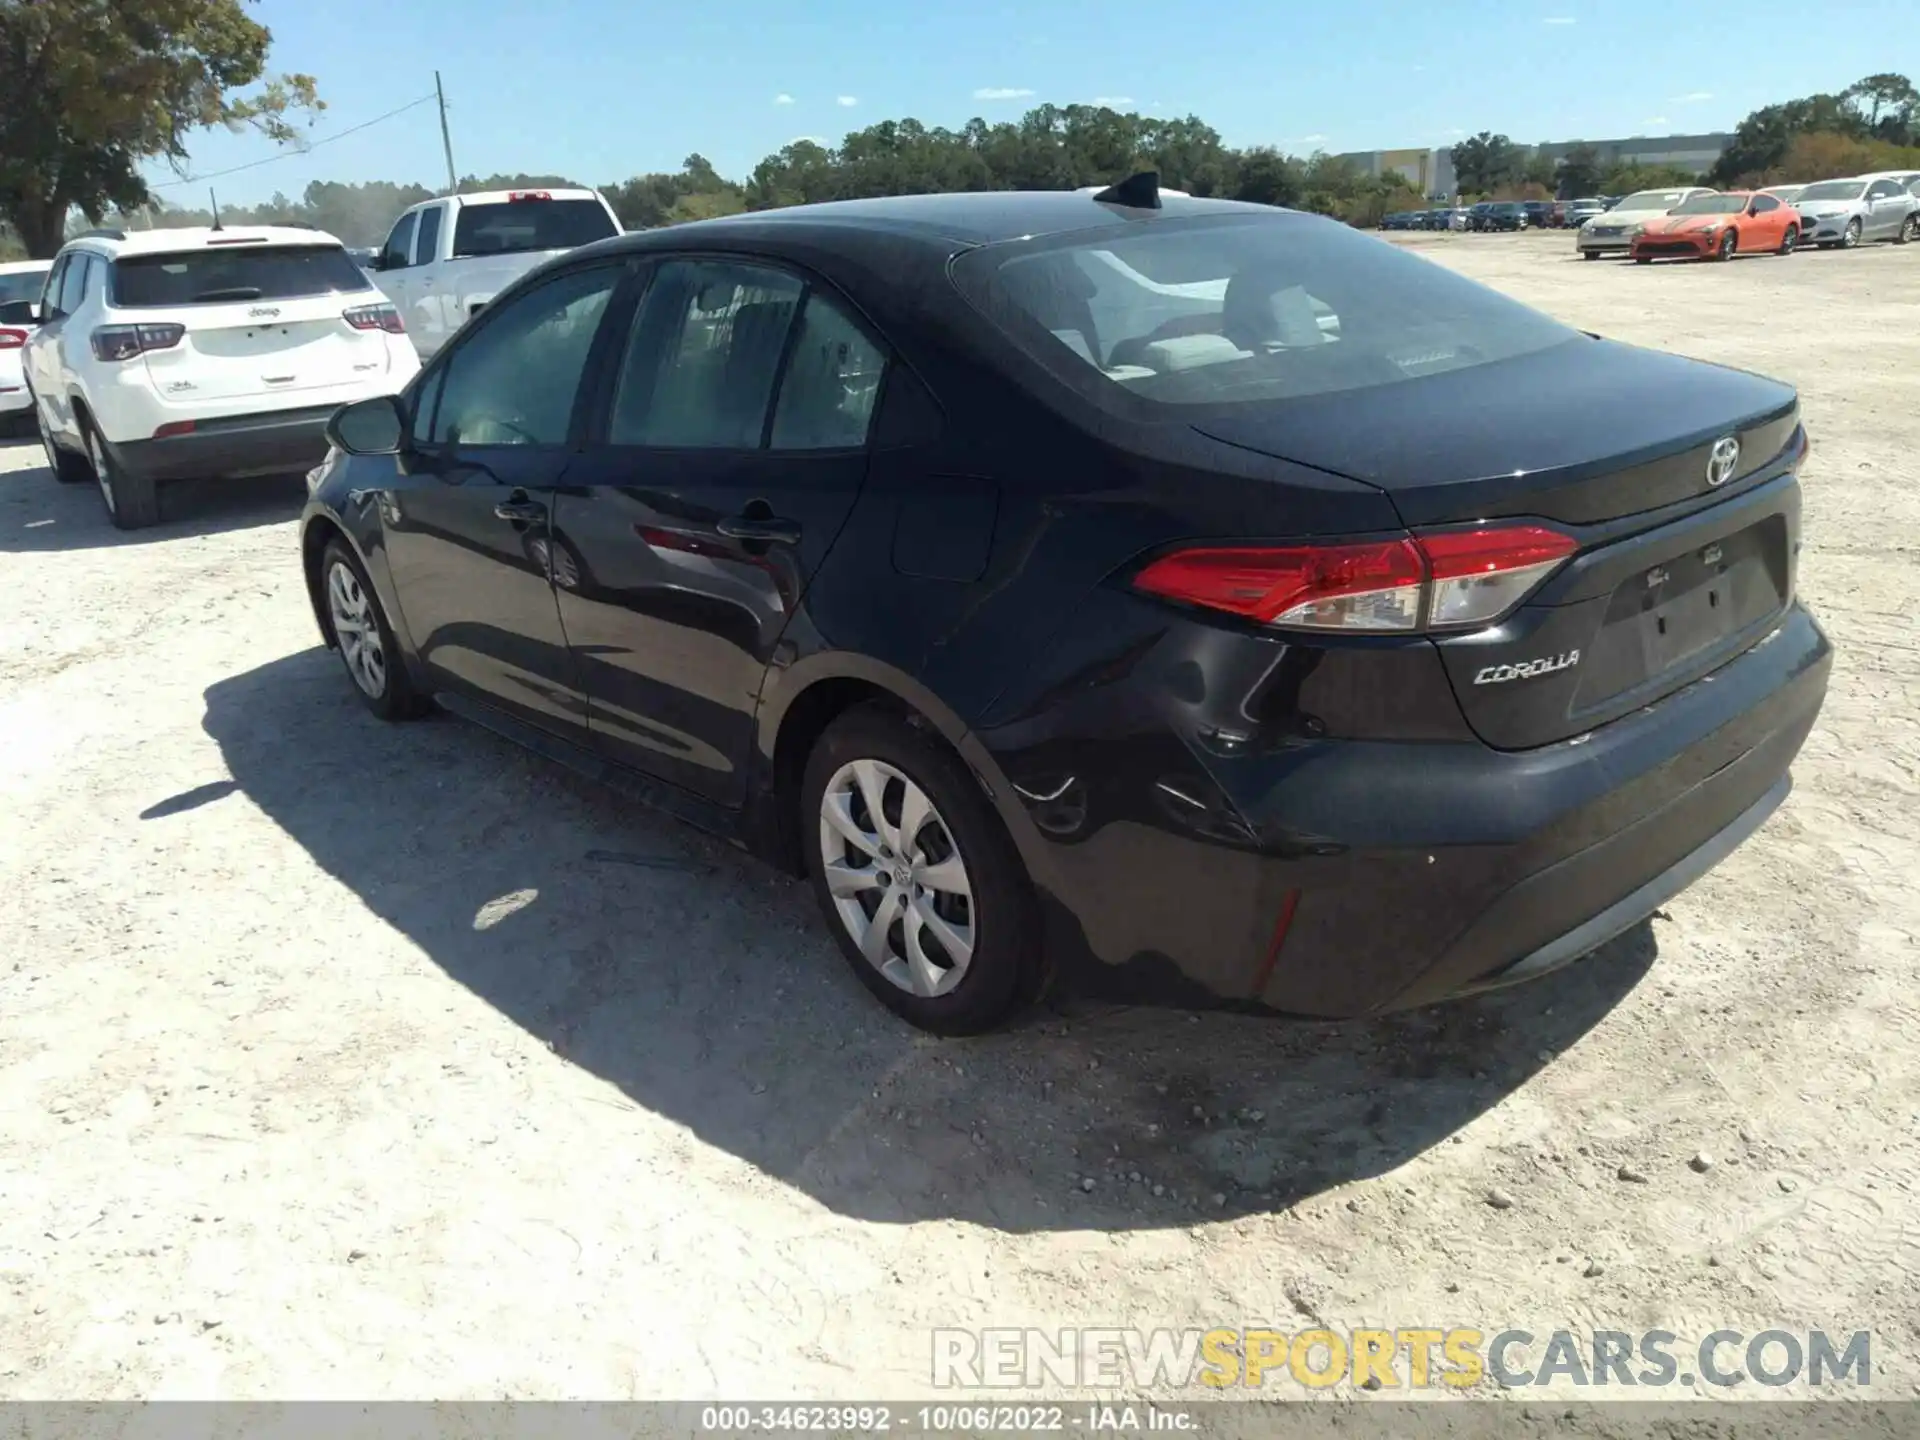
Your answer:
<point x="212" y="277"/>
<point x="426" y="248"/>
<point x="704" y="354"/>
<point x="73" y="283"/>
<point x="831" y="382"/>
<point x="508" y="227"/>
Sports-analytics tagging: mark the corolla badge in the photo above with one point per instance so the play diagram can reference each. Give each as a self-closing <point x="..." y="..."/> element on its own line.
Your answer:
<point x="1526" y="669"/>
<point x="1726" y="455"/>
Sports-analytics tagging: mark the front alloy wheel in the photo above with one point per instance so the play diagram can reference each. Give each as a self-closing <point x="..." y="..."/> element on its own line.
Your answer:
<point x="356" y="630"/>
<point x="1729" y="242"/>
<point x="1850" y="237"/>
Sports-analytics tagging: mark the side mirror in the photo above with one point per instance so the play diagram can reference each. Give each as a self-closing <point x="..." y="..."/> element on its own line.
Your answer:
<point x="369" y="427"/>
<point x="19" y="312"/>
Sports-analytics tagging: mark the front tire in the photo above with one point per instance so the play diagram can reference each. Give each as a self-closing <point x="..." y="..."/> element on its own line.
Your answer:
<point x="1729" y="243"/>
<point x="1589" y="254"/>
<point x="360" y="632"/>
<point x="133" y="502"/>
<point x="1850" y="237"/>
<point x="1643" y="259"/>
<point x="916" y="876"/>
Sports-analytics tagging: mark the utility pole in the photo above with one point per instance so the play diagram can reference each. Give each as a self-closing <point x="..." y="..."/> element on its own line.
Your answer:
<point x="446" y="138"/>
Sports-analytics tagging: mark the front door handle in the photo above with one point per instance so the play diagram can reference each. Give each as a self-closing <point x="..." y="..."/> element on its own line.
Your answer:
<point x="767" y="529"/>
<point x="521" y="509"/>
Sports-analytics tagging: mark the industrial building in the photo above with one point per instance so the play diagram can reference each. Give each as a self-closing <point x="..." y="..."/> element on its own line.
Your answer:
<point x="1432" y="170"/>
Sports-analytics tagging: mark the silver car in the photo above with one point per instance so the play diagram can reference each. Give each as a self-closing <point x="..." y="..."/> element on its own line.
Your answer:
<point x="1845" y="213"/>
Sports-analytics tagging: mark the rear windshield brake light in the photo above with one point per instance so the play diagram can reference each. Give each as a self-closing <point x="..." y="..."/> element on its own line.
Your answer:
<point x="1440" y="581"/>
<point x="515" y="197"/>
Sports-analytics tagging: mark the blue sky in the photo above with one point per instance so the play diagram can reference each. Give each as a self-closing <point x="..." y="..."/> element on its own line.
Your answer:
<point x="604" y="89"/>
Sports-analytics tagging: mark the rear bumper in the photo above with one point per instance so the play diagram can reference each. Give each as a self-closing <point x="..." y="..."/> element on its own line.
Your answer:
<point x="1341" y="878"/>
<point x="271" y="443"/>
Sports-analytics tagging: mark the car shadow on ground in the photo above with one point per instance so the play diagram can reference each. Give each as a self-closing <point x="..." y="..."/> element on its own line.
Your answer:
<point x="707" y="990"/>
<point x="38" y="513"/>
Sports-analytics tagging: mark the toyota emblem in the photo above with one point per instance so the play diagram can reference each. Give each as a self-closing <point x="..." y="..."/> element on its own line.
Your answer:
<point x="1726" y="455"/>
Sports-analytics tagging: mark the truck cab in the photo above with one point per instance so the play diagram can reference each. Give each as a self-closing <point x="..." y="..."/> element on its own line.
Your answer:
<point x="445" y="259"/>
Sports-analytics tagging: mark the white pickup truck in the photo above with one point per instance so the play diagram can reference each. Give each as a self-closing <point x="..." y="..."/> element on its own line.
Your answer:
<point x="445" y="259"/>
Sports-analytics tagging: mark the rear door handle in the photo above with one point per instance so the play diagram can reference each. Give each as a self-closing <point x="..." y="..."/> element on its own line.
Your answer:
<point x="768" y="529"/>
<point x="520" y="509"/>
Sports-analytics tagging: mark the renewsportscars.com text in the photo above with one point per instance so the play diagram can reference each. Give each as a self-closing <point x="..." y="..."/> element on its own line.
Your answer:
<point x="1412" y="1358"/>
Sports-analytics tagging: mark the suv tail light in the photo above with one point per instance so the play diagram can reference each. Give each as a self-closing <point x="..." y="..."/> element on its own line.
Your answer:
<point x="1443" y="581"/>
<point x="123" y="342"/>
<point x="375" y="317"/>
<point x="11" y="339"/>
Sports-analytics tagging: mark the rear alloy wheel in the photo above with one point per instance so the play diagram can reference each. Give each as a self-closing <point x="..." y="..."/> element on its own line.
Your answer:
<point x="922" y="887"/>
<point x="364" y="639"/>
<point x="1909" y="230"/>
<point x="1850" y="237"/>
<point x="1729" y="243"/>
<point x="1790" y="240"/>
<point x="133" y="503"/>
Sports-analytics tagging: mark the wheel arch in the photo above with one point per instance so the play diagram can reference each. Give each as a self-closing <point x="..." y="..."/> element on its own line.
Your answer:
<point x="798" y="704"/>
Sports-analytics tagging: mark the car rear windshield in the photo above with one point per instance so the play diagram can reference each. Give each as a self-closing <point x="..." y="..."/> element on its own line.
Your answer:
<point x="1219" y="312"/>
<point x="509" y="227"/>
<point x="1835" y="190"/>
<point x="213" y="276"/>
<point x="1711" y="205"/>
<point x="22" y="285"/>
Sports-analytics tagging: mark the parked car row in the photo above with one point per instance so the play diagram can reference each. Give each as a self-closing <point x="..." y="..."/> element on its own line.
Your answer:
<point x="1695" y="222"/>
<point x="1501" y="215"/>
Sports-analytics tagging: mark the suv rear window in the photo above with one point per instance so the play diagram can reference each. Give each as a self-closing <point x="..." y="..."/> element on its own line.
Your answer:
<point x="507" y="227"/>
<point x="213" y="276"/>
<point x="1218" y="312"/>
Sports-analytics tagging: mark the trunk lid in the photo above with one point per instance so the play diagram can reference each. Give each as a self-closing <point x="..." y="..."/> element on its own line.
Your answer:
<point x="1676" y="572"/>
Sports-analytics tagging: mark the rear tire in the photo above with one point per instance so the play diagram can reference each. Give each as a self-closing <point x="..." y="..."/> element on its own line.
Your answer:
<point x="360" y="633"/>
<point x="1909" y="230"/>
<point x="67" y="468"/>
<point x="955" y="882"/>
<point x="133" y="503"/>
<point x="1790" y="241"/>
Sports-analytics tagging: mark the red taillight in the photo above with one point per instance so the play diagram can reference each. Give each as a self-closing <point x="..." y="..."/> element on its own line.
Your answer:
<point x="375" y="317"/>
<point x="1442" y="581"/>
<point x="172" y="428"/>
<point x="12" y="339"/>
<point x="124" y="342"/>
<point x="514" y="197"/>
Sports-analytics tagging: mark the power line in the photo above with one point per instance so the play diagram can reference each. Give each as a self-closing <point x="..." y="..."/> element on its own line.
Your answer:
<point x="295" y="154"/>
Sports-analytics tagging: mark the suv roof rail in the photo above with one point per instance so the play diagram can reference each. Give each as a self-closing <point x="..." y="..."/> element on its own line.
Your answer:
<point x="101" y="234"/>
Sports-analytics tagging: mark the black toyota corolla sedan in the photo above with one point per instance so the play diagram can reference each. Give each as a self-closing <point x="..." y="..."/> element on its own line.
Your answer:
<point x="1191" y="601"/>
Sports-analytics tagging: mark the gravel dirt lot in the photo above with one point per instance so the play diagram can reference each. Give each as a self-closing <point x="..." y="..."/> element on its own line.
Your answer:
<point x="333" y="1062"/>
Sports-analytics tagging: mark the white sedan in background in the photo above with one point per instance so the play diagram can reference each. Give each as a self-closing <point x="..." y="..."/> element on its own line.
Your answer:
<point x="20" y="285"/>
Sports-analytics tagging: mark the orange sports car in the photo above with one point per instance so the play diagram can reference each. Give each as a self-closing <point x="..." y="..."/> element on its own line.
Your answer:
<point x="1719" y="226"/>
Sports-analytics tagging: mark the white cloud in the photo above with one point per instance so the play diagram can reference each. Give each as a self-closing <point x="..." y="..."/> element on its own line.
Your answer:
<point x="849" y="101"/>
<point x="1112" y="102"/>
<point x="1312" y="139"/>
<point x="1693" y="97"/>
<point x="1559" y="20"/>
<point x="1002" y="92"/>
<point x="783" y="98"/>
<point x="1654" y="120"/>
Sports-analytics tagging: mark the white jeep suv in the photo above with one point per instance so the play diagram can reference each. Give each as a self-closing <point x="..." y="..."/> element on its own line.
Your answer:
<point x="168" y="354"/>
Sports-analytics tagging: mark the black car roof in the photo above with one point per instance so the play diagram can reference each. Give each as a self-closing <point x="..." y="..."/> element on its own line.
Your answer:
<point x="965" y="218"/>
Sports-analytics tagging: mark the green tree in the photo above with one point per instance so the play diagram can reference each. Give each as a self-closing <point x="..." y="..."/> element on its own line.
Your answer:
<point x="1892" y="106"/>
<point x="95" y="88"/>
<point x="1578" y="173"/>
<point x="1760" y="141"/>
<point x="1485" y="162"/>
